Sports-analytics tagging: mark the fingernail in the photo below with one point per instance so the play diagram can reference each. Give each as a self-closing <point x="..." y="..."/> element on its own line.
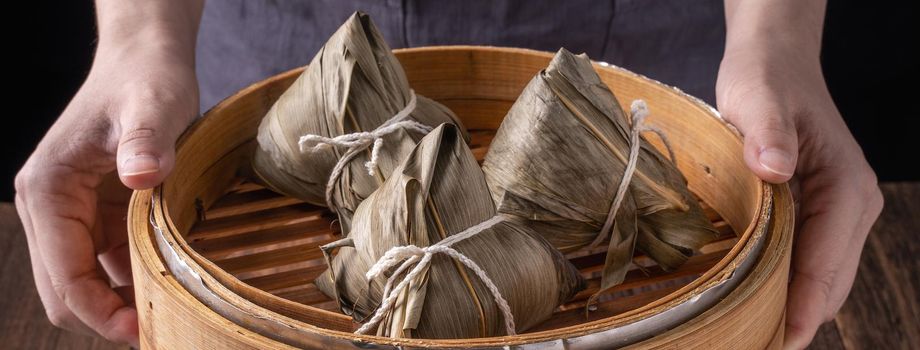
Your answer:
<point x="777" y="161"/>
<point x="140" y="164"/>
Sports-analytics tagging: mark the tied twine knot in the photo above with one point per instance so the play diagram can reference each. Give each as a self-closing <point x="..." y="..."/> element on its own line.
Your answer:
<point x="357" y="142"/>
<point x="418" y="259"/>
<point x="638" y="111"/>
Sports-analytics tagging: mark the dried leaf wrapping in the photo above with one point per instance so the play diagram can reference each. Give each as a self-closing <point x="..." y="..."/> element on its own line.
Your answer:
<point x="438" y="191"/>
<point x="558" y="158"/>
<point x="353" y="84"/>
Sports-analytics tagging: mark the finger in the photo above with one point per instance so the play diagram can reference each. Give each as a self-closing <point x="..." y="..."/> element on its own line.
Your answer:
<point x="126" y="293"/>
<point x="770" y="139"/>
<point x="873" y="202"/>
<point x="58" y="313"/>
<point x="146" y="147"/>
<point x="804" y="309"/>
<point x="62" y="206"/>
<point x="117" y="265"/>
<point x="843" y="279"/>
<point x="831" y="215"/>
<point x="112" y="207"/>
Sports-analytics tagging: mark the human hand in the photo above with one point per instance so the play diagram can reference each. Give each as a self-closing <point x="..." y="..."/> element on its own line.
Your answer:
<point x="126" y="116"/>
<point x="775" y="93"/>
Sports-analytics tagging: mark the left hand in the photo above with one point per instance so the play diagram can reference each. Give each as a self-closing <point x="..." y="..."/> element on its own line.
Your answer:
<point x="776" y="95"/>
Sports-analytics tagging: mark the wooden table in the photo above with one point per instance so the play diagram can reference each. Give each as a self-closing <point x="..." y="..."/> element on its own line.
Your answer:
<point x="883" y="311"/>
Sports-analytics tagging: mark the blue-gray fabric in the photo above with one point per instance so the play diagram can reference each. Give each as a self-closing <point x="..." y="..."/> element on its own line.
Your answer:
<point x="679" y="42"/>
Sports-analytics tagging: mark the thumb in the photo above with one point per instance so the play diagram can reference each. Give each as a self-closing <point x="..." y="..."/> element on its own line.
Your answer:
<point x="146" y="147"/>
<point x="770" y="139"/>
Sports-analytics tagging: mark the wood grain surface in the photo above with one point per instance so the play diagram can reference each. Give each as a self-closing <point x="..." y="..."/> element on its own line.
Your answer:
<point x="882" y="312"/>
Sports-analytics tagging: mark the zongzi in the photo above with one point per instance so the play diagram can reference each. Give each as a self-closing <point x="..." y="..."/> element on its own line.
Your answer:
<point x="558" y="161"/>
<point x="427" y="256"/>
<point x="345" y="123"/>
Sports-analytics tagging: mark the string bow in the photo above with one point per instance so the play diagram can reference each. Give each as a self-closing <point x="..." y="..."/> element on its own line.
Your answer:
<point x="357" y="142"/>
<point x="418" y="258"/>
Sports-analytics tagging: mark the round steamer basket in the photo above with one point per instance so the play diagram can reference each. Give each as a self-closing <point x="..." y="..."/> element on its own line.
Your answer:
<point x="221" y="262"/>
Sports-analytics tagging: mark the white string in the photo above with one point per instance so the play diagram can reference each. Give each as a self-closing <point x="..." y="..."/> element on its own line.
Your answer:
<point x="638" y="111"/>
<point x="406" y="256"/>
<point x="359" y="141"/>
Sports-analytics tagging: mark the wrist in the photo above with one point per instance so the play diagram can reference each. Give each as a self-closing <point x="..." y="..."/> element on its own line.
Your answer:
<point x="784" y="27"/>
<point x="766" y="56"/>
<point x="145" y="46"/>
<point x="155" y="29"/>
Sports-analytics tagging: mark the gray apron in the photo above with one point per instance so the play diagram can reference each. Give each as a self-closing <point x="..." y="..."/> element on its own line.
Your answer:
<point x="679" y="42"/>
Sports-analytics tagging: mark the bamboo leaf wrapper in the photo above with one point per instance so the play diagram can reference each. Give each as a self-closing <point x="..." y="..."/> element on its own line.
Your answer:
<point x="558" y="158"/>
<point x="438" y="191"/>
<point x="354" y="84"/>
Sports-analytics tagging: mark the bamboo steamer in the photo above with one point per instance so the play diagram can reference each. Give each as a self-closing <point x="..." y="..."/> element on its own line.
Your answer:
<point x="220" y="262"/>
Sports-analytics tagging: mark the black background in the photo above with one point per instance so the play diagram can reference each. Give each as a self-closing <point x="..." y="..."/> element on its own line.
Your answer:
<point x="869" y="55"/>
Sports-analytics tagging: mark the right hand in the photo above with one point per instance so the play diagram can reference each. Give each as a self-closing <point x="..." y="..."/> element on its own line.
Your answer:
<point x="775" y="94"/>
<point x="127" y="115"/>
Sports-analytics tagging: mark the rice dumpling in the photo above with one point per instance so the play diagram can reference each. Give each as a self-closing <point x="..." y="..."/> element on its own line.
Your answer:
<point x="455" y="267"/>
<point x="557" y="162"/>
<point x="354" y="86"/>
